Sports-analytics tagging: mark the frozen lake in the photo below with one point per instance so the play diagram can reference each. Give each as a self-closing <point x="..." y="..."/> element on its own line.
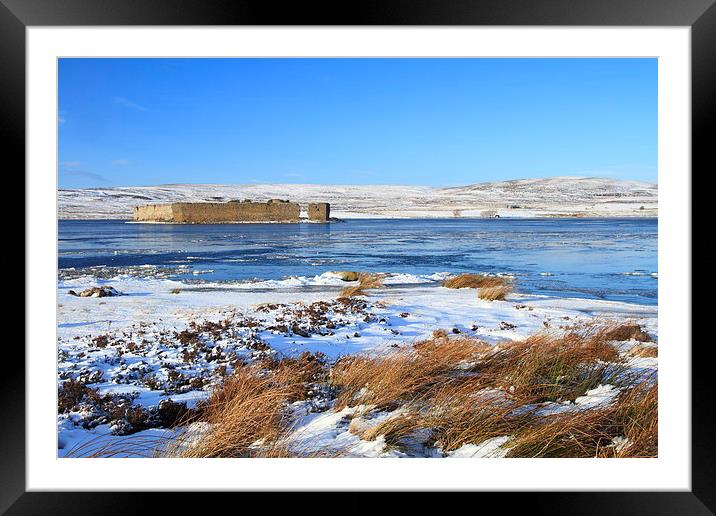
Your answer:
<point x="613" y="259"/>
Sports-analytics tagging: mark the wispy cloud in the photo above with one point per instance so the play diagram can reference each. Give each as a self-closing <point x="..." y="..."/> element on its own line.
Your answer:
<point x="85" y="174"/>
<point x="120" y="162"/>
<point x="121" y="101"/>
<point x="69" y="164"/>
<point x="61" y="117"/>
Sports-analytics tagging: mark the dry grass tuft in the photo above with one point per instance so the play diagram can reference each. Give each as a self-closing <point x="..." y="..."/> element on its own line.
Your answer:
<point x="637" y="415"/>
<point x="107" y="447"/>
<point x="475" y="281"/>
<point x="499" y="292"/>
<point x="395" y="428"/>
<point x="355" y="290"/>
<point x="440" y="334"/>
<point x="248" y="415"/>
<point x="490" y="288"/>
<point x="467" y="413"/>
<point x="466" y="392"/>
<point x="456" y="411"/>
<point x="553" y="367"/>
<point x="249" y="408"/>
<point x="387" y="380"/>
<point x="626" y="428"/>
<point x="369" y="280"/>
<point x="366" y="281"/>
<point x="642" y="351"/>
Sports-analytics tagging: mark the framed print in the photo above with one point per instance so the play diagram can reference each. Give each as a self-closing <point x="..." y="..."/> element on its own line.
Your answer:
<point x="420" y="248"/>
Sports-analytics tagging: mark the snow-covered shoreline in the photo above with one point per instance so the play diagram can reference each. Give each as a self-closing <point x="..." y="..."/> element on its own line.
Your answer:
<point x="130" y="342"/>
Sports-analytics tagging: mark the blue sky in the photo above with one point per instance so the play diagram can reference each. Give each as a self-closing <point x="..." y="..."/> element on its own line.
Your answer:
<point x="440" y="122"/>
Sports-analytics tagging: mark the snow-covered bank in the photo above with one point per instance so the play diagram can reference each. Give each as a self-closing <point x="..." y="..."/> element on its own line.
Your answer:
<point x="549" y="197"/>
<point x="166" y="340"/>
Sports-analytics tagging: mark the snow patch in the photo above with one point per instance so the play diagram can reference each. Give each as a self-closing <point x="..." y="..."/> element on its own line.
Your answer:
<point x="491" y="448"/>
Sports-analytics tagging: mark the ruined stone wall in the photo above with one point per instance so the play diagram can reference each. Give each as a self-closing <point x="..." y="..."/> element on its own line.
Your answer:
<point x="319" y="211"/>
<point x="154" y="213"/>
<point x="215" y="212"/>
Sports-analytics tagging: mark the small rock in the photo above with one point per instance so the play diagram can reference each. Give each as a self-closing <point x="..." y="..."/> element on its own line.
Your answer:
<point x="97" y="292"/>
<point x="628" y="331"/>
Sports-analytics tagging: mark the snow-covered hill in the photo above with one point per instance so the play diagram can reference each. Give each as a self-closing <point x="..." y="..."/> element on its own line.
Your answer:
<point x="550" y="197"/>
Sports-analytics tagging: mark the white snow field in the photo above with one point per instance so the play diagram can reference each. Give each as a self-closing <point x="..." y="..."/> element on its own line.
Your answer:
<point x="550" y="197"/>
<point x="132" y="344"/>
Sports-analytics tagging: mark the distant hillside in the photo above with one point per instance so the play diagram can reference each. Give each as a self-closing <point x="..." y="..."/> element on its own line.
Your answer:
<point x="550" y="197"/>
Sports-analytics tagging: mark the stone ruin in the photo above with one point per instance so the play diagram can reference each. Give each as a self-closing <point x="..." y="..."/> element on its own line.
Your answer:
<point x="319" y="211"/>
<point x="275" y="210"/>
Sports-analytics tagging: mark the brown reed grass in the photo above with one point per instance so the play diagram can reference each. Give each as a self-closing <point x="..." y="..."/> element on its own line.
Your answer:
<point x="366" y="281"/>
<point x="501" y="393"/>
<point x="497" y="293"/>
<point x="389" y="379"/>
<point x="554" y="367"/>
<point x="592" y="433"/>
<point x="475" y="281"/>
<point x="249" y="408"/>
<point x="458" y="390"/>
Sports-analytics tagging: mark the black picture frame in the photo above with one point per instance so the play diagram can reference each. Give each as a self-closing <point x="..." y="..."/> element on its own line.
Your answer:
<point x="700" y="15"/>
